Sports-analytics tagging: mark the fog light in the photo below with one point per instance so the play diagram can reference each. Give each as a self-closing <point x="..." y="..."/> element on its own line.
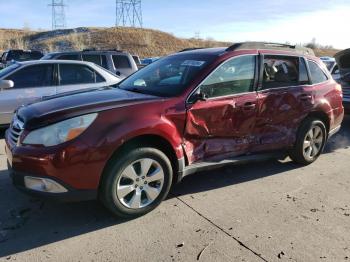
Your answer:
<point x="43" y="185"/>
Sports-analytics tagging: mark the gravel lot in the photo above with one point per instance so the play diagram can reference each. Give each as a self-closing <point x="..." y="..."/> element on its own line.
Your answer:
<point x="268" y="211"/>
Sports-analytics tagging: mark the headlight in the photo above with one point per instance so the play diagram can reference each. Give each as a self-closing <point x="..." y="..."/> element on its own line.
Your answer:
<point x="60" y="132"/>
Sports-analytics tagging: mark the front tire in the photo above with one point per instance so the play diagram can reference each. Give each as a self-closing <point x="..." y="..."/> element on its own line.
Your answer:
<point x="311" y="139"/>
<point x="137" y="182"/>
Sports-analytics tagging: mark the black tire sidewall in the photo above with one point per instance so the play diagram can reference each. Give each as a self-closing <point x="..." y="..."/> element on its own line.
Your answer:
<point x="109" y="186"/>
<point x="298" y="151"/>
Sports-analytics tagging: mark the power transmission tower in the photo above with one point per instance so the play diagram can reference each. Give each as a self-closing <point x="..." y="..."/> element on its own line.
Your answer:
<point x="128" y="13"/>
<point x="58" y="14"/>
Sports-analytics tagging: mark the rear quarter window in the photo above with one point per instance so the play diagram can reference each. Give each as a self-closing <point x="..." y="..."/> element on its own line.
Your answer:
<point x="316" y="73"/>
<point x="68" y="57"/>
<point x="121" y="61"/>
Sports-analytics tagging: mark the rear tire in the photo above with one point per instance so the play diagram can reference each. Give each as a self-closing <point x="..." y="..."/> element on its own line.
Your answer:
<point x="310" y="142"/>
<point x="136" y="182"/>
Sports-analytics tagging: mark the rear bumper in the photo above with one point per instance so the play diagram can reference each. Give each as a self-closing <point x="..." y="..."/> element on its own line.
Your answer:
<point x="73" y="195"/>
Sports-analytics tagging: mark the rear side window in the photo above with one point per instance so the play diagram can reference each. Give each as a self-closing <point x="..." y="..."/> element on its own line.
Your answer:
<point x="121" y="61"/>
<point x="69" y="57"/>
<point x="316" y="73"/>
<point x="33" y="76"/>
<point x="303" y="75"/>
<point x="96" y="59"/>
<point x="282" y="71"/>
<point x="70" y="74"/>
<point x="104" y="62"/>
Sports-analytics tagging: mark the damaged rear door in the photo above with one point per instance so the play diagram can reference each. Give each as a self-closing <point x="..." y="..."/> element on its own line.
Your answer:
<point x="285" y="98"/>
<point x="221" y="112"/>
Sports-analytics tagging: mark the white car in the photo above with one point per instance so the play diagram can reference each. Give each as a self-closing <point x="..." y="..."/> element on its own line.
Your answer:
<point x="332" y="66"/>
<point x="28" y="82"/>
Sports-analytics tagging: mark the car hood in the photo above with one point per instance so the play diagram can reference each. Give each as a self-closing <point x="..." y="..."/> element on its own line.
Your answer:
<point x="343" y="61"/>
<point x="55" y="109"/>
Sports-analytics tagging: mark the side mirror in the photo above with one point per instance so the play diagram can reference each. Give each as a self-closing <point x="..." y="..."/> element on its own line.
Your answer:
<point x="200" y="96"/>
<point x="118" y="73"/>
<point x="6" y="84"/>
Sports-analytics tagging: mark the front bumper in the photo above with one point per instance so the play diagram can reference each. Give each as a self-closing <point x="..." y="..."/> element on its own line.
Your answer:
<point x="64" y="165"/>
<point x="72" y="195"/>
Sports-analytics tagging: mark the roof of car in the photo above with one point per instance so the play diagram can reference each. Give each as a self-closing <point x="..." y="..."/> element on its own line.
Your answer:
<point x="86" y="51"/>
<point x="38" y="62"/>
<point x="252" y="46"/>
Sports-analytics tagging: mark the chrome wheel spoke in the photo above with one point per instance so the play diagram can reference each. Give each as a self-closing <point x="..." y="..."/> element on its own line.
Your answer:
<point x="307" y="144"/>
<point x="314" y="150"/>
<point x="157" y="175"/>
<point x="152" y="192"/>
<point x="135" y="201"/>
<point x="317" y="132"/>
<point x="309" y="152"/>
<point x="146" y="166"/>
<point x="123" y="191"/>
<point x="130" y="173"/>
<point x="311" y="134"/>
<point x="319" y="140"/>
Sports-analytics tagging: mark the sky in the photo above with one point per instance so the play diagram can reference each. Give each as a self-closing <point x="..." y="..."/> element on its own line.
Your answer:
<point x="293" y="21"/>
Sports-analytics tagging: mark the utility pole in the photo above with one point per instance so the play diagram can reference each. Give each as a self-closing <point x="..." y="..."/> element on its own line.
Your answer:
<point x="129" y="13"/>
<point x="58" y="14"/>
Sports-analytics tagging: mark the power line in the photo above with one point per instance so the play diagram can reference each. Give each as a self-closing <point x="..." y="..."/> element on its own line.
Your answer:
<point x="58" y="14"/>
<point x="129" y="13"/>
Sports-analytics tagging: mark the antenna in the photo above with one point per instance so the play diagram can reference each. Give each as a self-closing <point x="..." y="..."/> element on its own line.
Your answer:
<point x="58" y="14"/>
<point x="128" y="13"/>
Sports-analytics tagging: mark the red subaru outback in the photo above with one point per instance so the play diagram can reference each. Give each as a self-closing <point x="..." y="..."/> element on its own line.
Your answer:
<point x="190" y="111"/>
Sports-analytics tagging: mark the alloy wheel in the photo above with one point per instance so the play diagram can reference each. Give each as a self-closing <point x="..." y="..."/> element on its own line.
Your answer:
<point x="140" y="183"/>
<point x="313" y="142"/>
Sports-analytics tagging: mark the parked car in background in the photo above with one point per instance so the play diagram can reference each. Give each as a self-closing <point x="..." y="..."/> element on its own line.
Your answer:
<point x="147" y="61"/>
<point x="137" y="59"/>
<point x="343" y="62"/>
<point x="27" y="82"/>
<point x="119" y="63"/>
<point x="332" y="66"/>
<point x="187" y="112"/>
<point x="14" y="55"/>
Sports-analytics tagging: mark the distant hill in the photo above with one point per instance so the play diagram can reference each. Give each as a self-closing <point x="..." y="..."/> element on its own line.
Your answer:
<point x="143" y="42"/>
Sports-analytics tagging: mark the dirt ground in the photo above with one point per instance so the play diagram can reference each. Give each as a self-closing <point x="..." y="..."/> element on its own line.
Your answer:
<point x="268" y="211"/>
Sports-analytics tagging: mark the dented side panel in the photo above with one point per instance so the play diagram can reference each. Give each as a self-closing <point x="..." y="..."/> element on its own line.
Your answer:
<point x="219" y="128"/>
<point x="279" y="116"/>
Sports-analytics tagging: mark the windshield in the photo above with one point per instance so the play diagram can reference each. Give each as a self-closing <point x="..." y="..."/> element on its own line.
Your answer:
<point x="22" y="56"/>
<point x="167" y="77"/>
<point x="9" y="69"/>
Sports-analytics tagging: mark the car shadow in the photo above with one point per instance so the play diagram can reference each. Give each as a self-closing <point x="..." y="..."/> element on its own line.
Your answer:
<point x="341" y="140"/>
<point x="27" y="223"/>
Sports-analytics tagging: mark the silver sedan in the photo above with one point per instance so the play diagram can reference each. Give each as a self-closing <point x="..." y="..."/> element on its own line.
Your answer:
<point x="28" y="82"/>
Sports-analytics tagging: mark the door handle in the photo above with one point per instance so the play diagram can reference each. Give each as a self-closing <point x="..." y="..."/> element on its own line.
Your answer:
<point x="249" y="106"/>
<point x="305" y="97"/>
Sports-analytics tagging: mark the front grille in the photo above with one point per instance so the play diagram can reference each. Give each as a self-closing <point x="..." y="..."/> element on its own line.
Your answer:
<point x="16" y="130"/>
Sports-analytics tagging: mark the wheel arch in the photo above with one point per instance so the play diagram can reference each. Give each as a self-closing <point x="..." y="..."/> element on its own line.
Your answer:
<point x="321" y="115"/>
<point x="147" y="140"/>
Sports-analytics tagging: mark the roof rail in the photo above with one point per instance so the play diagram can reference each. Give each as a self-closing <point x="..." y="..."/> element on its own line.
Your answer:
<point x="95" y="49"/>
<point x="191" y="49"/>
<point x="271" y="46"/>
